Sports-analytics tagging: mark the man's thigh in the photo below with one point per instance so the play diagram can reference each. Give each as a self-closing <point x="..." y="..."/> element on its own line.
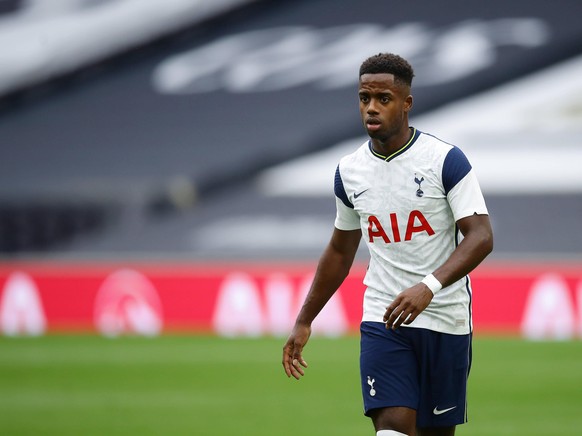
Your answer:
<point x="388" y="369"/>
<point x="417" y="369"/>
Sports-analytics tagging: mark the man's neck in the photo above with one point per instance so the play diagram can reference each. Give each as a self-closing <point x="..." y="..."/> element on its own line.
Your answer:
<point x="392" y="145"/>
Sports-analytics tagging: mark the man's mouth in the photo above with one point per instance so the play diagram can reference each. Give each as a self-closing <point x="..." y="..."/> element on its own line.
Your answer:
<point x="373" y="123"/>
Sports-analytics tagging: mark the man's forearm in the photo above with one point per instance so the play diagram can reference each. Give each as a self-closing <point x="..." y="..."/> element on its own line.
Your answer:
<point x="472" y="250"/>
<point x="332" y="270"/>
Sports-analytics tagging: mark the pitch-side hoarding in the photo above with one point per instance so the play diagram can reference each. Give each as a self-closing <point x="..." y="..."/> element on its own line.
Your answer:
<point x="537" y="301"/>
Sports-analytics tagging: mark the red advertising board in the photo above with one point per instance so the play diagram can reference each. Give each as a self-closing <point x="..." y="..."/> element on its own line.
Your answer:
<point x="535" y="300"/>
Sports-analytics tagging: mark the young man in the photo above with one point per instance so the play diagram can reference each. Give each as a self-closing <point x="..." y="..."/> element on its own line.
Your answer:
<point x="418" y="205"/>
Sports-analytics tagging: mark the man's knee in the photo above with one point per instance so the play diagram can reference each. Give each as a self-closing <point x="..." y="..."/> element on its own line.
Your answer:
<point x="437" y="431"/>
<point x="389" y="433"/>
<point x="401" y="420"/>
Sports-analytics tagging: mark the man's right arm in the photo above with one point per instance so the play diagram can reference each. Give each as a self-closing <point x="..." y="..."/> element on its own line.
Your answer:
<point x="334" y="266"/>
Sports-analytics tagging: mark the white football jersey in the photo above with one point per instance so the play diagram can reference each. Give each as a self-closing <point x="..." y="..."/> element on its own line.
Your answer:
<point x="407" y="205"/>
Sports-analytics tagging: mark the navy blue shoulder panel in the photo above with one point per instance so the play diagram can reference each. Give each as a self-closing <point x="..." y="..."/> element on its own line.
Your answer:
<point x="455" y="167"/>
<point x="340" y="192"/>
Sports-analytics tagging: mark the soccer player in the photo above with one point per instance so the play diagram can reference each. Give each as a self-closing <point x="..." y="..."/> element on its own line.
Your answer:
<point x="416" y="202"/>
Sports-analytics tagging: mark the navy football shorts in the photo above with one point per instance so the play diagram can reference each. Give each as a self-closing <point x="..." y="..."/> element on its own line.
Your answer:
<point x="416" y="368"/>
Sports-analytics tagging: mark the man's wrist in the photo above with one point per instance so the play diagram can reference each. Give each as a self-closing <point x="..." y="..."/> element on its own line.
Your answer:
<point x="432" y="283"/>
<point x="302" y="322"/>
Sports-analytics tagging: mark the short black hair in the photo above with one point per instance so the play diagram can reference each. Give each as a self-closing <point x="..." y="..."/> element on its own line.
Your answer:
<point x="388" y="63"/>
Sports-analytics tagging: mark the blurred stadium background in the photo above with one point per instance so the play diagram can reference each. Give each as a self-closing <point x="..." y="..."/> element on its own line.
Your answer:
<point x="166" y="169"/>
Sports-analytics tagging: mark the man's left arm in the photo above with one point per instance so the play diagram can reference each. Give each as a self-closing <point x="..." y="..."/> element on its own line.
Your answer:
<point x="475" y="246"/>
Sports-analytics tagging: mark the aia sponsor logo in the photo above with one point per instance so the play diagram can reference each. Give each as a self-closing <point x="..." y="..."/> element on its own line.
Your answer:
<point x="21" y="309"/>
<point x="127" y="302"/>
<point x="248" y="307"/>
<point x="415" y="223"/>
<point x="552" y="310"/>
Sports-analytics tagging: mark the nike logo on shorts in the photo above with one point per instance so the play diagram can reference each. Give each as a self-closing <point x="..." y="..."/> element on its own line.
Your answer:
<point x="436" y="410"/>
<point x="360" y="193"/>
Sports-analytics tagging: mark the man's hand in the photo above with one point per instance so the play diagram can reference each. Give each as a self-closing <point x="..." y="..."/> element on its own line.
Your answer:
<point x="407" y="306"/>
<point x="292" y="359"/>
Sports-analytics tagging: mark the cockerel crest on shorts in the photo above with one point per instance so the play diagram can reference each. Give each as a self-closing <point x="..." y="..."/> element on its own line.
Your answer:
<point x="371" y="383"/>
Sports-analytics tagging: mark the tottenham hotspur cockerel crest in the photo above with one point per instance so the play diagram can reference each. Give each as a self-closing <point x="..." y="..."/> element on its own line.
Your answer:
<point x="419" y="191"/>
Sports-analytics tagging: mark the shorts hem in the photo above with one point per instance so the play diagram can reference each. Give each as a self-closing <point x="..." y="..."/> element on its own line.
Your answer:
<point x="368" y="410"/>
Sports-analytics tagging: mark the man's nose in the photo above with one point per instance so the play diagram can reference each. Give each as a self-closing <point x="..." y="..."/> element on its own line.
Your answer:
<point x="372" y="107"/>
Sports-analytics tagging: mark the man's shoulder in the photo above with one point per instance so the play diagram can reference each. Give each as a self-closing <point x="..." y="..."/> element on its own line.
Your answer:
<point x="356" y="157"/>
<point x="434" y="141"/>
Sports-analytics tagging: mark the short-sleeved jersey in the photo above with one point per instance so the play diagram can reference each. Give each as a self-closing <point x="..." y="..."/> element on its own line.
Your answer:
<point x="407" y="205"/>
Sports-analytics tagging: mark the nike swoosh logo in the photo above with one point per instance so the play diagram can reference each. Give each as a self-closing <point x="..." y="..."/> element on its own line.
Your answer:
<point x="436" y="411"/>
<point x="360" y="193"/>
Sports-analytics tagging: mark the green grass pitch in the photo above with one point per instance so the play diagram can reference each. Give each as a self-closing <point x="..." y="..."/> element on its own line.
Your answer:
<point x="192" y="385"/>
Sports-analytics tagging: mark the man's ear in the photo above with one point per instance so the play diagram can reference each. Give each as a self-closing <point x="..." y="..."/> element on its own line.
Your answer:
<point x="408" y="103"/>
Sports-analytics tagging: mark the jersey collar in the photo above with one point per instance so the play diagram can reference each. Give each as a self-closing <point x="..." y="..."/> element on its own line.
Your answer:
<point x="413" y="138"/>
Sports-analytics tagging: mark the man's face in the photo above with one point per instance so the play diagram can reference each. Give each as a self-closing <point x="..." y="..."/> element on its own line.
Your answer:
<point x="384" y="105"/>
